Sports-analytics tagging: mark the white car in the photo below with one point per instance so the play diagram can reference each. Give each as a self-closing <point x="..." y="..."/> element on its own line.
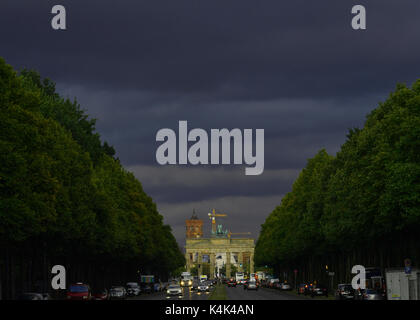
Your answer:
<point x="203" y="287"/>
<point x="251" y="285"/>
<point x="174" y="290"/>
<point x="133" y="288"/>
<point x="186" y="282"/>
<point x="285" y="286"/>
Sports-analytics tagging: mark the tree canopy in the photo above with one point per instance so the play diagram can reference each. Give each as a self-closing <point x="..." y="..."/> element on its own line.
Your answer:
<point x="370" y="190"/>
<point x="61" y="185"/>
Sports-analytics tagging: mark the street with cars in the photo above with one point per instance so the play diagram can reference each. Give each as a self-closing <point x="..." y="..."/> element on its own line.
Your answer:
<point x="258" y="286"/>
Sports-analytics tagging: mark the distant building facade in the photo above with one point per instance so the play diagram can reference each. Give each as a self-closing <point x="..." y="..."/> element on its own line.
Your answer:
<point x="194" y="227"/>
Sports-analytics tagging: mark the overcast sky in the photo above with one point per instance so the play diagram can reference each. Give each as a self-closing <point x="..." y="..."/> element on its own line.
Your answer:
<point x="293" y="68"/>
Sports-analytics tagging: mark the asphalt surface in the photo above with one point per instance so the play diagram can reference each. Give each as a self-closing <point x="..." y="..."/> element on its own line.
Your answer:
<point x="233" y="293"/>
<point x="187" y="294"/>
<point x="238" y="293"/>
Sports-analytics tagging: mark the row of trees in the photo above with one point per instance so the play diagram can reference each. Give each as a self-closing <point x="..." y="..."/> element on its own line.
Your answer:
<point x="64" y="197"/>
<point x="361" y="206"/>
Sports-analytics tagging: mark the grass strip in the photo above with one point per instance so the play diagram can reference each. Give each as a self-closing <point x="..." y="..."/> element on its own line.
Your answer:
<point x="219" y="293"/>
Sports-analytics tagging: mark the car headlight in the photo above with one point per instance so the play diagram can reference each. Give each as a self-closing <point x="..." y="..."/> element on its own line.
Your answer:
<point x="182" y="283"/>
<point x="167" y="291"/>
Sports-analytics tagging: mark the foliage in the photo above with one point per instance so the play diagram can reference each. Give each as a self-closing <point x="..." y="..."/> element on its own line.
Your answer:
<point x="60" y="185"/>
<point x="369" y="191"/>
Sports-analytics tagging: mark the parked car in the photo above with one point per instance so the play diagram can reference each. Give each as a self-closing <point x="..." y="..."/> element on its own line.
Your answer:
<point x="371" y="294"/>
<point x="276" y="285"/>
<point x="285" y="286"/>
<point x="174" y="290"/>
<point x="157" y="287"/>
<point x="133" y="289"/>
<point x="344" y="292"/>
<point x="46" y="296"/>
<point x="301" y="288"/>
<point x="146" y="288"/>
<point x="31" y="296"/>
<point x="102" y="294"/>
<point x="273" y="282"/>
<point x="79" y="291"/>
<point x="308" y="289"/>
<point x="118" y="293"/>
<point x="319" y="290"/>
<point x="231" y="283"/>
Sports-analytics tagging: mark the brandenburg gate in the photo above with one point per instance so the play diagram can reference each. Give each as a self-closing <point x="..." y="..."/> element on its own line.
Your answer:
<point x="220" y="243"/>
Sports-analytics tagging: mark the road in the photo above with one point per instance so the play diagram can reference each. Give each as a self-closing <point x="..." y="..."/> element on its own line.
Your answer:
<point x="239" y="293"/>
<point x="187" y="294"/>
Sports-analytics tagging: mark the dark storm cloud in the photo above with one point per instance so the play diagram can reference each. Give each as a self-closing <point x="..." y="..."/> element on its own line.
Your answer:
<point x="181" y="184"/>
<point x="294" y="129"/>
<point x="245" y="49"/>
<point x="293" y="68"/>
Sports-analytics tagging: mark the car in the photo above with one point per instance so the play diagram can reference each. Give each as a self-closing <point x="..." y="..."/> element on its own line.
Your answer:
<point x="165" y="286"/>
<point x="146" y="288"/>
<point x="285" y="286"/>
<point x="371" y="294"/>
<point x="251" y="285"/>
<point x="277" y="285"/>
<point x="344" y="292"/>
<point x="195" y="285"/>
<point x="31" y="296"/>
<point x="272" y="283"/>
<point x="301" y="288"/>
<point x="102" y="294"/>
<point x="118" y="293"/>
<point x="203" y="287"/>
<point x="133" y="289"/>
<point x="231" y="283"/>
<point x="79" y="291"/>
<point x="157" y="287"/>
<point x="241" y="282"/>
<point x="308" y="289"/>
<point x="47" y="296"/>
<point x="174" y="290"/>
<point x="319" y="290"/>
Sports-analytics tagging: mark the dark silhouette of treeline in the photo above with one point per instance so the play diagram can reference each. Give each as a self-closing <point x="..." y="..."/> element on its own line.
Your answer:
<point x="361" y="206"/>
<point x="65" y="198"/>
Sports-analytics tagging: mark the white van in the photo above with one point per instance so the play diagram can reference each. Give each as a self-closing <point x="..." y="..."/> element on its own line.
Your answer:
<point x="186" y="279"/>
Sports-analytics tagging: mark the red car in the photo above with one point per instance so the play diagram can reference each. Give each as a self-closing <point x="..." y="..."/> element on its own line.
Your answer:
<point x="231" y="283"/>
<point x="100" y="295"/>
<point x="301" y="288"/>
<point x="79" y="291"/>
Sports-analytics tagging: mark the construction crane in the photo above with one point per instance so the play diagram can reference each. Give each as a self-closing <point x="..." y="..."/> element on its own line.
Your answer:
<point x="230" y="233"/>
<point x="212" y="217"/>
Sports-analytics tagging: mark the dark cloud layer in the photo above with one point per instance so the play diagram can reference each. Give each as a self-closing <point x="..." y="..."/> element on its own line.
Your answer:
<point x="293" y="68"/>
